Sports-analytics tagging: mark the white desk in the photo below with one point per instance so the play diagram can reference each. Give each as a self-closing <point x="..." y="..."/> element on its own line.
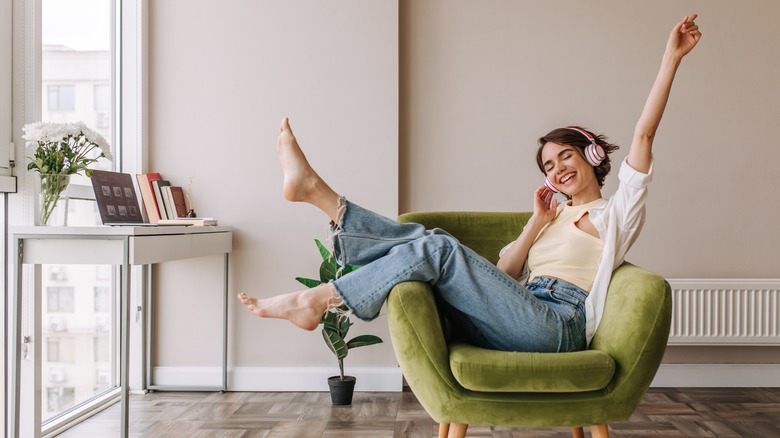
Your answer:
<point x="124" y="246"/>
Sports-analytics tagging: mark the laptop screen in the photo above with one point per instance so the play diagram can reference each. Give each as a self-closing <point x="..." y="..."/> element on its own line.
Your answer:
<point x="116" y="197"/>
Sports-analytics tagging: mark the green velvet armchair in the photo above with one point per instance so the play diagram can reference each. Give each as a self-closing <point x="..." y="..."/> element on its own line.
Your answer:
<point x="461" y="384"/>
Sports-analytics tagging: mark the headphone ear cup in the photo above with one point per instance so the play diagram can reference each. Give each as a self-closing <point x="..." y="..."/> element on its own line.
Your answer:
<point x="594" y="154"/>
<point x="550" y="185"/>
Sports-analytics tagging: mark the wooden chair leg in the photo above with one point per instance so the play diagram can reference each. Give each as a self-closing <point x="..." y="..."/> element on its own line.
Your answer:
<point x="458" y="430"/>
<point x="600" y="431"/>
<point x="577" y="432"/>
<point x="444" y="430"/>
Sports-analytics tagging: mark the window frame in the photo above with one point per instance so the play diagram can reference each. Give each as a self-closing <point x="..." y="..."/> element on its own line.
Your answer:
<point x="22" y="96"/>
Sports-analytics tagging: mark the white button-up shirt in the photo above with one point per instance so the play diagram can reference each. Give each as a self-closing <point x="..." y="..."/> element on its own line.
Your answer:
<point x="618" y="221"/>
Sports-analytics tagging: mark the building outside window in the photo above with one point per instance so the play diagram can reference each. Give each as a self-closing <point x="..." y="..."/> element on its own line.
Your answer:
<point x="61" y="97"/>
<point x="79" y="318"/>
<point x="60" y="299"/>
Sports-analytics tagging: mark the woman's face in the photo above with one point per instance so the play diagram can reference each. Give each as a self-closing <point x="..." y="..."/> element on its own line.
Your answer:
<point x="567" y="169"/>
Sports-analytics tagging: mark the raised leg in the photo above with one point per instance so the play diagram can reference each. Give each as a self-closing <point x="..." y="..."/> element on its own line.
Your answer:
<point x="301" y="182"/>
<point x="600" y="431"/>
<point x="577" y="432"/>
<point x="303" y="308"/>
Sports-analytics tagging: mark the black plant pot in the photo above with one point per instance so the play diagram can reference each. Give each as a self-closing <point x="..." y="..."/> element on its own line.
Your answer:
<point x="341" y="390"/>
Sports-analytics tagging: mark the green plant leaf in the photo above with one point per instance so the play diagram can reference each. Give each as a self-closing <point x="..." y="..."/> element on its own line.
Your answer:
<point x="349" y="268"/>
<point x="336" y="344"/>
<point x="363" y="340"/>
<point x="324" y="252"/>
<point x="330" y="321"/>
<point x="328" y="270"/>
<point x="345" y="324"/>
<point x="308" y="282"/>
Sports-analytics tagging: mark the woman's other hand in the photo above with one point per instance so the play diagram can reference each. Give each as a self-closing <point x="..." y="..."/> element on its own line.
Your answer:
<point x="545" y="205"/>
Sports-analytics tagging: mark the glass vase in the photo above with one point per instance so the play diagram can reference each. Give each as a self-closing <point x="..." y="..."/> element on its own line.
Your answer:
<point x="52" y="186"/>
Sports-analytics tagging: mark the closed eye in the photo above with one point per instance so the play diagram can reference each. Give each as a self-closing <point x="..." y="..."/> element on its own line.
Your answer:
<point x="562" y="155"/>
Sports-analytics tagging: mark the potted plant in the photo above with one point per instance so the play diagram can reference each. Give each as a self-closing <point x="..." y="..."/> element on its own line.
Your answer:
<point x="335" y="326"/>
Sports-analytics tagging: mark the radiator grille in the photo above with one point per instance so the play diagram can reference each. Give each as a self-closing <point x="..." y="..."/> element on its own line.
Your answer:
<point x="725" y="312"/>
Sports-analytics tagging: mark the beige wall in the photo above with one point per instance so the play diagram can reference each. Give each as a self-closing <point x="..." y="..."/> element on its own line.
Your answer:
<point x="222" y="76"/>
<point x="479" y="82"/>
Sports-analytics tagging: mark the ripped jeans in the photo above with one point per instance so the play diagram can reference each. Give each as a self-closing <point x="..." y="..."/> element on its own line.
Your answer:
<point x="486" y="307"/>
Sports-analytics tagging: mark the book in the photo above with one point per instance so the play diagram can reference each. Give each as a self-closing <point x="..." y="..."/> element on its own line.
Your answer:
<point x="196" y="221"/>
<point x="168" y="201"/>
<point x="179" y="203"/>
<point x="158" y="196"/>
<point x="147" y="195"/>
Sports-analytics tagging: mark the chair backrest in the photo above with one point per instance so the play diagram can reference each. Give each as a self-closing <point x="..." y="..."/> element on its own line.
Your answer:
<point x="484" y="232"/>
<point x="637" y="317"/>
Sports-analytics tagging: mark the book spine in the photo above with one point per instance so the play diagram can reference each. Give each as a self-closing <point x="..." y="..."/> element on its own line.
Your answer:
<point x="179" y="203"/>
<point x="159" y="198"/>
<point x="147" y="196"/>
<point x="170" y="209"/>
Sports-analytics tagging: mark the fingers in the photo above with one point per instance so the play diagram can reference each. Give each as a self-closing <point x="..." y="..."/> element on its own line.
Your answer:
<point x="545" y="196"/>
<point x="688" y="25"/>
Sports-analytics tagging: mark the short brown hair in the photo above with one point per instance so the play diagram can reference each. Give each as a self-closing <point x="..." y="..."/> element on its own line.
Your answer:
<point x="571" y="137"/>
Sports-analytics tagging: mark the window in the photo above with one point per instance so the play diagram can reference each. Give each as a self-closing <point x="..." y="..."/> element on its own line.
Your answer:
<point x="102" y="98"/>
<point x="102" y="299"/>
<point x="78" y="81"/>
<point x="68" y="71"/>
<point x="62" y="97"/>
<point x="102" y="354"/>
<point x="59" y="398"/>
<point x="60" y="299"/>
<point x="60" y="349"/>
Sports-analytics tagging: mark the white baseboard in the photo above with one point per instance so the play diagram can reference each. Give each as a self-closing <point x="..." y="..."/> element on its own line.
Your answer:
<point x="717" y="376"/>
<point x="390" y="379"/>
<point x="303" y="379"/>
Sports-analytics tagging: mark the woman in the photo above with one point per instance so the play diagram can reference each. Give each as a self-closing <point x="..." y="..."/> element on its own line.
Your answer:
<point x="548" y="290"/>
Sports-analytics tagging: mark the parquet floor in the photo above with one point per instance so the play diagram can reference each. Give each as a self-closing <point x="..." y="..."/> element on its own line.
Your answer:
<point x="664" y="412"/>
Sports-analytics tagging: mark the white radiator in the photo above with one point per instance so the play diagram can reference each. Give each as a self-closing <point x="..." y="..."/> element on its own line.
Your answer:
<point x="725" y="312"/>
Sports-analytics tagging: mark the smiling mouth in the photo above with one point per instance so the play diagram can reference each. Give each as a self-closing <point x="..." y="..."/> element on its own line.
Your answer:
<point x="566" y="178"/>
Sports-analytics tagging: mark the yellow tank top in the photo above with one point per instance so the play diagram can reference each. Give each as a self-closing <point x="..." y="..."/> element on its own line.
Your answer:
<point x="564" y="251"/>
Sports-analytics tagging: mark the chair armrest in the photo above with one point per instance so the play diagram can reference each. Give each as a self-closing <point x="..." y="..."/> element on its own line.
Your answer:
<point x="419" y="343"/>
<point x="634" y="330"/>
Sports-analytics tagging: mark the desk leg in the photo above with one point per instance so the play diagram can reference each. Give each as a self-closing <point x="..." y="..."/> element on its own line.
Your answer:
<point x="15" y="356"/>
<point x="147" y="336"/>
<point x="225" y="325"/>
<point x="124" y="341"/>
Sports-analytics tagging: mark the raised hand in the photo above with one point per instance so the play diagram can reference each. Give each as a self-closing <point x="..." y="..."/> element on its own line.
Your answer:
<point x="684" y="37"/>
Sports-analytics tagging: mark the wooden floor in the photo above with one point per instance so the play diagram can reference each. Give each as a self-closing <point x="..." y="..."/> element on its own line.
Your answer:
<point x="697" y="412"/>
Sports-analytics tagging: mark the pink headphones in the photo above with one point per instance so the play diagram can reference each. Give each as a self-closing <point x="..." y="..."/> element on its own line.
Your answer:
<point x="594" y="154"/>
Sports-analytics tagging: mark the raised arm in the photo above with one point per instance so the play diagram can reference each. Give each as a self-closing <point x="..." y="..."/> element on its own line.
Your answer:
<point x="513" y="260"/>
<point x="681" y="41"/>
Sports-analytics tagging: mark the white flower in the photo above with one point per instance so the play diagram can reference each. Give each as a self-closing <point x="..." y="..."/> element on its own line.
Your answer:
<point x="49" y="132"/>
<point x="64" y="147"/>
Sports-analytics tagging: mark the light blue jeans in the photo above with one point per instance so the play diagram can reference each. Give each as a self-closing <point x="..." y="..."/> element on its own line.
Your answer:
<point x="486" y="307"/>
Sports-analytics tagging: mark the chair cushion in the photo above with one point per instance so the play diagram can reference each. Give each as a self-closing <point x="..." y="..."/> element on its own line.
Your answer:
<point x="484" y="370"/>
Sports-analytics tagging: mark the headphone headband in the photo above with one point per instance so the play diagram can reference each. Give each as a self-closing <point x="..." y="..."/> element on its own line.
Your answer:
<point x="585" y="133"/>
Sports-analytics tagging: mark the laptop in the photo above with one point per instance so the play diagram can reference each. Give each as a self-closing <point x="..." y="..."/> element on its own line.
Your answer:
<point x="116" y="199"/>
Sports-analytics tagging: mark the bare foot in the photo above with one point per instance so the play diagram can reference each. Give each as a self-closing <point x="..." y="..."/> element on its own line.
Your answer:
<point x="303" y="308"/>
<point x="301" y="182"/>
